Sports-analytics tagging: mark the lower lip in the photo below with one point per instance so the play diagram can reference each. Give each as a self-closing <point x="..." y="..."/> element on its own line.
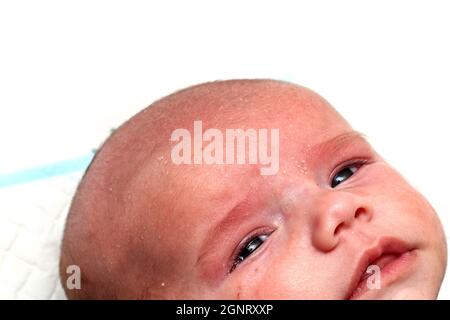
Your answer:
<point x="392" y="271"/>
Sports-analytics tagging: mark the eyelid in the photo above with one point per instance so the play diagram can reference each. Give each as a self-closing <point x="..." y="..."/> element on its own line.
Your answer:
<point x="257" y="232"/>
<point x="356" y="161"/>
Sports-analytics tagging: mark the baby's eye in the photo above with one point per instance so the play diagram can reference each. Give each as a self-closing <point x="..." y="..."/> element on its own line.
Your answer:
<point x="250" y="247"/>
<point x="344" y="174"/>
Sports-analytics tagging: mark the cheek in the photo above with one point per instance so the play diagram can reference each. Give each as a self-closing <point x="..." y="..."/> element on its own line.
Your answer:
<point x="291" y="275"/>
<point x="268" y="282"/>
<point x="396" y="202"/>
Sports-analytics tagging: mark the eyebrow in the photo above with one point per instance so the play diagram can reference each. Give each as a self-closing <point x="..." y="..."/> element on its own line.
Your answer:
<point x="240" y="210"/>
<point x="338" y="143"/>
<point x="243" y="208"/>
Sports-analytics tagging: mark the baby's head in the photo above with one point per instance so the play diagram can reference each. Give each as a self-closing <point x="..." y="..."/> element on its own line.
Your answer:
<point x="159" y="215"/>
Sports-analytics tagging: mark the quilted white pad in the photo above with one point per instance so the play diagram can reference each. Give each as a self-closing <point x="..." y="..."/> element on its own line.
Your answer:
<point x="32" y="219"/>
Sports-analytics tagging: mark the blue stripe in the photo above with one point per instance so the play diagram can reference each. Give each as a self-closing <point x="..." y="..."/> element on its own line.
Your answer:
<point x="45" y="171"/>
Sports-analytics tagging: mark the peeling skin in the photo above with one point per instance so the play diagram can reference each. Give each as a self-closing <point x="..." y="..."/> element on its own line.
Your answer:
<point x="138" y="223"/>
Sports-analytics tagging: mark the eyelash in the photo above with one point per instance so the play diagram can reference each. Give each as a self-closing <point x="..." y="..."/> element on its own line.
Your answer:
<point x="235" y="257"/>
<point x="355" y="162"/>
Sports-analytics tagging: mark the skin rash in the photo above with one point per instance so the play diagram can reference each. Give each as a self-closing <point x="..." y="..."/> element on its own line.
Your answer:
<point x="143" y="227"/>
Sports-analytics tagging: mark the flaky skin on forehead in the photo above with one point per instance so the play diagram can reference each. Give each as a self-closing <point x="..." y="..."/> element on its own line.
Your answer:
<point x="105" y="233"/>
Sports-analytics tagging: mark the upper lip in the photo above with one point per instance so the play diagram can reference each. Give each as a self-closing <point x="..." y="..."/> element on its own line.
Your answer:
<point x="382" y="247"/>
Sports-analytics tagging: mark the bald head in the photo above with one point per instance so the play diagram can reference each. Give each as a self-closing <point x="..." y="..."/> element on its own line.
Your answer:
<point x="132" y="193"/>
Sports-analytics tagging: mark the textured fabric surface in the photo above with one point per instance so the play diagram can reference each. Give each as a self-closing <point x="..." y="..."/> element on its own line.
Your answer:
<point x="32" y="217"/>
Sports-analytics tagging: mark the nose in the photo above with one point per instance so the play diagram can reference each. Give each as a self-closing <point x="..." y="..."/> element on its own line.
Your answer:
<point x="334" y="213"/>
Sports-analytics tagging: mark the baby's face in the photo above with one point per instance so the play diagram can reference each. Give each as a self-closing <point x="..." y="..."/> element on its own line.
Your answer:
<point x="334" y="208"/>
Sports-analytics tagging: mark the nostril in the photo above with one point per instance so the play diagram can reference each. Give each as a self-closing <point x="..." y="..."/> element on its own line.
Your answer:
<point x="360" y="212"/>
<point x="339" y="228"/>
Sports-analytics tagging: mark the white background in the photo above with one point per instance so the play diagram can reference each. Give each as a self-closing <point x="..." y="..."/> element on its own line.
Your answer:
<point x="70" y="71"/>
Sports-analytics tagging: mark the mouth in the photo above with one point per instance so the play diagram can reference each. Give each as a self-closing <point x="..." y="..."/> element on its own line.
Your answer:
<point x="393" y="259"/>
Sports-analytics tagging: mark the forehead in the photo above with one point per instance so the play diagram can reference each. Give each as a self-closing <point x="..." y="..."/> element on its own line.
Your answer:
<point x="303" y="120"/>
